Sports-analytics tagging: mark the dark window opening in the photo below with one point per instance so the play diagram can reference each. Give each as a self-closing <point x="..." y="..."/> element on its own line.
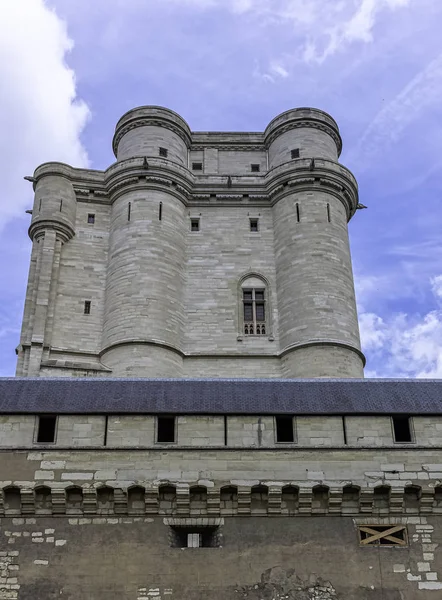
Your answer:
<point x="128" y="211"/>
<point x="39" y="206"/>
<point x="194" y="224"/>
<point x="166" y="429"/>
<point x="197" y="166"/>
<point x="255" y="168"/>
<point x="61" y="205"/>
<point x="160" y="211"/>
<point x="87" y="307"/>
<point x="383" y="535"/>
<point x="91" y="218"/>
<point x="328" y="213"/>
<point x="298" y="216"/>
<point x="402" y="429"/>
<point x="284" y="429"/>
<point x="254" y="225"/>
<point x="163" y="152"/>
<point x="195" y="537"/>
<point x="295" y="153"/>
<point x="46" y="429"/>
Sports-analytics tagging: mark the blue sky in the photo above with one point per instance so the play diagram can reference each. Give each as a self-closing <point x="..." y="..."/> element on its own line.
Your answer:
<point x="70" y="68"/>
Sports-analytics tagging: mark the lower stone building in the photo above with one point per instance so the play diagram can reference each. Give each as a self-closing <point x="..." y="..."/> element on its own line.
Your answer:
<point x="248" y="489"/>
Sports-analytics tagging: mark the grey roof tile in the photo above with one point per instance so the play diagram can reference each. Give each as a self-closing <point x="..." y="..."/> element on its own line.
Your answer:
<point x="220" y="396"/>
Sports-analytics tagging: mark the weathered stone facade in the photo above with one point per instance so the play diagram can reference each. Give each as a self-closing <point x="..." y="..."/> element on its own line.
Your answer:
<point x="164" y="241"/>
<point x="293" y="486"/>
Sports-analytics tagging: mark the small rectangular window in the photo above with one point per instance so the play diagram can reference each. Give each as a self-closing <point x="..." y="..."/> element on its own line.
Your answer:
<point x="402" y="429"/>
<point x="197" y="166"/>
<point x="328" y="213"/>
<point x="128" y="211"/>
<point x="165" y="429"/>
<point x="284" y="429"/>
<point x="255" y="168"/>
<point x="194" y="224"/>
<point x="163" y="152"/>
<point x="160" y="211"/>
<point x="295" y="153"/>
<point x="46" y="429"/>
<point x="254" y="225"/>
<point x="193" y="537"/>
<point x="298" y="216"/>
<point x="91" y="218"/>
<point x="382" y="535"/>
<point x="87" y="307"/>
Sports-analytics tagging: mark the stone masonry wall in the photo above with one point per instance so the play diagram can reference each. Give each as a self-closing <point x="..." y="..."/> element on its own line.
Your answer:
<point x="110" y="558"/>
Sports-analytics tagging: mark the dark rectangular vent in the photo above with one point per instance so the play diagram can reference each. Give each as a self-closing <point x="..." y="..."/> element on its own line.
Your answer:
<point x="46" y="429"/>
<point x="197" y="166"/>
<point x="284" y="429"/>
<point x="402" y="429"/>
<point x="166" y="429"/>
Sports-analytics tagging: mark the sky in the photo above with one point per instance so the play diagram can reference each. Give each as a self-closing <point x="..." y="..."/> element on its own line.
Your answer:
<point x="70" y="68"/>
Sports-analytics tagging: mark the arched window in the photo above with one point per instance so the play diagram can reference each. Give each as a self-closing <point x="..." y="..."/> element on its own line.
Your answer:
<point x="254" y="306"/>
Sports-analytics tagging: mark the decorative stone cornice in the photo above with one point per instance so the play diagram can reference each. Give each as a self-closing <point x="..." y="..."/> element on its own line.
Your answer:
<point x="63" y="230"/>
<point x="148" y="121"/>
<point x="324" y="342"/>
<point x="322" y="126"/>
<point x="230" y="147"/>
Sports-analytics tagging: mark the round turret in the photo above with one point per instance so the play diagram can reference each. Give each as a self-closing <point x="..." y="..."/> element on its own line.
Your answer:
<point x="302" y="133"/>
<point x="152" y="131"/>
<point x="55" y="204"/>
<point x="313" y="199"/>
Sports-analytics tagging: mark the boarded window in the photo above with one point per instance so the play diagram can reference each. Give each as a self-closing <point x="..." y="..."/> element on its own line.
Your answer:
<point x="383" y="535"/>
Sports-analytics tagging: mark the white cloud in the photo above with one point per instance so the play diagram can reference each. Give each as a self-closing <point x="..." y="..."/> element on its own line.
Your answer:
<point x="404" y="345"/>
<point x="40" y="114"/>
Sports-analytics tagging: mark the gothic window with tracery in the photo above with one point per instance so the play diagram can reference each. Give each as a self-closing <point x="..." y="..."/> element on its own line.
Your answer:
<point x="254" y="311"/>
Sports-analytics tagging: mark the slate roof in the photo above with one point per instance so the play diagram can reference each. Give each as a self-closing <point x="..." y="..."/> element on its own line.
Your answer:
<point x="220" y="396"/>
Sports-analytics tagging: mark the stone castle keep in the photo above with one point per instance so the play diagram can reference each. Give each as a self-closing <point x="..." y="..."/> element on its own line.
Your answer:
<point x="196" y="255"/>
<point x="189" y="418"/>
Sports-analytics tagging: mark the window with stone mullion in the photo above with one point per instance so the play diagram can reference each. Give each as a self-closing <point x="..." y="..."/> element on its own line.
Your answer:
<point x="254" y="312"/>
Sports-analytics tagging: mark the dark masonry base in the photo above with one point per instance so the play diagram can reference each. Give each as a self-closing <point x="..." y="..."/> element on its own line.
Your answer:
<point x="111" y="558"/>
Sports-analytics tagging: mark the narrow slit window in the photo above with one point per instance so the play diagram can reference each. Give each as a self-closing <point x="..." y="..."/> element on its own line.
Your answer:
<point x="61" y="205"/>
<point x="402" y="429"/>
<point x="39" y="206"/>
<point x="255" y="168"/>
<point x="298" y="215"/>
<point x="328" y="213"/>
<point x="163" y="152"/>
<point x="87" y="307"/>
<point x="166" y="429"/>
<point x="194" y="225"/>
<point x="160" y="211"/>
<point x="46" y="429"/>
<point x="197" y="166"/>
<point x="91" y="218"/>
<point x="284" y="429"/>
<point x="128" y="211"/>
<point x="295" y="153"/>
<point x="254" y="225"/>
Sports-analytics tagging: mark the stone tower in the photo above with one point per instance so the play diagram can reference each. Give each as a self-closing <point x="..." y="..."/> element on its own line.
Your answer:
<point x="196" y="254"/>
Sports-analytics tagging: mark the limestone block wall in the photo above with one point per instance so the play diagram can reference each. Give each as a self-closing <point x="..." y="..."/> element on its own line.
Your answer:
<point x="219" y="255"/>
<point x="223" y="431"/>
